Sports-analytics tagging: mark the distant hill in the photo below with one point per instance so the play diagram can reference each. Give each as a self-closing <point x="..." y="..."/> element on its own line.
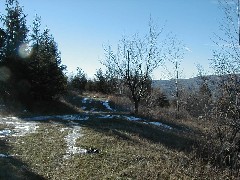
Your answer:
<point x="191" y="84"/>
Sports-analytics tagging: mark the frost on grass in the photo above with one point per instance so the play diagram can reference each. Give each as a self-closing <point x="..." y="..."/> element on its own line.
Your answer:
<point x="71" y="142"/>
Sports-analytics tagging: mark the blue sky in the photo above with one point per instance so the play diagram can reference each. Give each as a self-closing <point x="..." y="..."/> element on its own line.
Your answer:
<point x="82" y="27"/>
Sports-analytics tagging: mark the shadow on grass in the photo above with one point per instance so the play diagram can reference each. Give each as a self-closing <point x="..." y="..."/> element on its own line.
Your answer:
<point x="12" y="168"/>
<point x="174" y="139"/>
<point x="119" y="127"/>
<point x="38" y="108"/>
<point x="180" y="139"/>
<point x="51" y="107"/>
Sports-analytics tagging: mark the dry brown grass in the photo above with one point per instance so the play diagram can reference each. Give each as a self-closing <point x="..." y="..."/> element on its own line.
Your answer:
<point x="128" y="150"/>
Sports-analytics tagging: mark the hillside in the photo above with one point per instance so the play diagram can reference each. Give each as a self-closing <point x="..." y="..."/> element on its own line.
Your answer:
<point x="98" y="141"/>
<point x="191" y="84"/>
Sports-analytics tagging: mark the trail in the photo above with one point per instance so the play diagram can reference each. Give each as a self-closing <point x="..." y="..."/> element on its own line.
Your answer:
<point x="92" y="109"/>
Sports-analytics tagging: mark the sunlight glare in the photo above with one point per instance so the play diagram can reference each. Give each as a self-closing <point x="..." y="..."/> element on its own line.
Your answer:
<point x="24" y="50"/>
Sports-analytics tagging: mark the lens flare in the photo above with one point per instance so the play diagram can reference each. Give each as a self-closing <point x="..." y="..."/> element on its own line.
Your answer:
<point x="5" y="73"/>
<point x="24" y="50"/>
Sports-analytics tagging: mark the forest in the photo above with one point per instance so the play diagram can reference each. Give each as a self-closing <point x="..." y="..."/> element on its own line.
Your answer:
<point x="184" y="131"/>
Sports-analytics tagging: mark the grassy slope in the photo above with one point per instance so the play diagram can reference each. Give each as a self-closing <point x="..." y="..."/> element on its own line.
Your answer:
<point x="128" y="150"/>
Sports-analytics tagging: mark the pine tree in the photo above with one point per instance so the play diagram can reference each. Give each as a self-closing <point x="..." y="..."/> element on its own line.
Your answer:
<point x="15" y="29"/>
<point x="38" y="74"/>
<point x="13" y="37"/>
<point x="46" y="71"/>
<point x="79" y="81"/>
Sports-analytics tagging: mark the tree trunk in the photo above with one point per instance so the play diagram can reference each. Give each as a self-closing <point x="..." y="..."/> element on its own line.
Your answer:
<point x="136" y="104"/>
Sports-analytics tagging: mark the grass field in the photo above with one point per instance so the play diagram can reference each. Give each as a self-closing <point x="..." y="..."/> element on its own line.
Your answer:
<point x="90" y="140"/>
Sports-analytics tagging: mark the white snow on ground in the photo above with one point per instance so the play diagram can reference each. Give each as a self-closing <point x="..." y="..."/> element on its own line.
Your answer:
<point x="73" y="117"/>
<point x="20" y="128"/>
<point x="5" y="132"/>
<point x="106" y="117"/>
<point x="63" y="129"/>
<point x="3" y="156"/>
<point x="106" y="104"/>
<point x="71" y="142"/>
<point x="84" y="100"/>
<point x="132" y="118"/>
<point x="109" y="116"/>
<point x="161" y="125"/>
<point x="23" y="128"/>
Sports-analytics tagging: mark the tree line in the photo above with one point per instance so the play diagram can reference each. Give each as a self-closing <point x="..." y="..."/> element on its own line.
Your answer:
<point x="30" y="62"/>
<point x="31" y="68"/>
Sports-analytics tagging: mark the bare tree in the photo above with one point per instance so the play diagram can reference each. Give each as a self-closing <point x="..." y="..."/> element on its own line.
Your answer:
<point x="134" y="62"/>
<point x="226" y="58"/>
<point x="175" y="53"/>
<point x="226" y="62"/>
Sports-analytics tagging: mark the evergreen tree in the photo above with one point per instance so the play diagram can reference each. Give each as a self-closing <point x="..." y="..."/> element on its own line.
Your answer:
<point x="2" y="37"/>
<point x="16" y="30"/>
<point x="38" y="74"/>
<point x="79" y="81"/>
<point x="105" y="82"/>
<point x="101" y="81"/>
<point x="13" y="42"/>
<point x="46" y="71"/>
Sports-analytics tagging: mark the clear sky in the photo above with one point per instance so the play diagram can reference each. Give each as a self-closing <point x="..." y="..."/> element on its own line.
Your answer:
<point x="82" y="27"/>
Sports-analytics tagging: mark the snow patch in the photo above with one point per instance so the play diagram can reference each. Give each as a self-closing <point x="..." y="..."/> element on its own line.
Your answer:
<point x="5" y="133"/>
<point x="161" y="125"/>
<point x="84" y="100"/>
<point x="20" y="128"/>
<point x="73" y="117"/>
<point x="3" y="156"/>
<point x="71" y="143"/>
<point x="109" y="116"/>
<point x="132" y="118"/>
<point x="105" y="117"/>
<point x="129" y="118"/>
<point x="107" y="106"/>
<point x="63" y="129"/>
